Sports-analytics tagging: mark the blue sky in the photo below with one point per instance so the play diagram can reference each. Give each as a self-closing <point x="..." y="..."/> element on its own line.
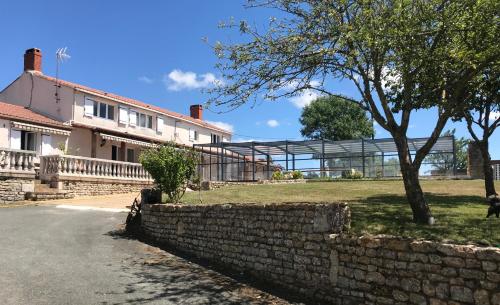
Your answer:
<point x="154" y="51"/>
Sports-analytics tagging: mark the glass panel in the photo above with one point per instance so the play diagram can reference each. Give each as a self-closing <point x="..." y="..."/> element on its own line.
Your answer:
<point x="142" y="121"/>
<point x="95" y="108"/>
<point x="150" y="122"/>
<point x="130" y="155"/>
<point x="102" y="110"/>
<point x="111" y="112"/>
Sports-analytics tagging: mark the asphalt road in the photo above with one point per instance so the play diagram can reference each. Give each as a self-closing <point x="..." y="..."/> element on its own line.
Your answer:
<point x="57" y="256"/>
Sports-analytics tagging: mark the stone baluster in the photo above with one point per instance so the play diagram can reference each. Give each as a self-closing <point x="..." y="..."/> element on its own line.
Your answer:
<point x="24" y="164"/>
<point x="6" y="162"/>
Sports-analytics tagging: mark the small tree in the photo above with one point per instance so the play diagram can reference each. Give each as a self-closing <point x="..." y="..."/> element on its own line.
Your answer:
<point x="443" y="162"/>
<point x="171" y="168"/>
<point x="335" y="118"/>
<point x="481" y="113"/>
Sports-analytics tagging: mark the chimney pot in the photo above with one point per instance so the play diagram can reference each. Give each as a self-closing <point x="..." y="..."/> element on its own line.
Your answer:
<point x="33" y="60"/>
<point x="196" y="111"/>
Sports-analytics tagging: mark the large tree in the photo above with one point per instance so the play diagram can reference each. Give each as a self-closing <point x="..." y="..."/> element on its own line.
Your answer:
<point x="482" y="116"/>
<point x="401" y="56"/>
<point x="334" y="118"/>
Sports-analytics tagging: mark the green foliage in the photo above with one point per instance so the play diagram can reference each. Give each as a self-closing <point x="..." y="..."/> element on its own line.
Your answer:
<point x="171" y="168"/>
<point x="352" y="174"/>
<point x="280" y="175"/>
<point x="277" y="175"/>
<point x="350" y="120"/>
<point x="443" y="163"/>
<point x="297" y="175"/>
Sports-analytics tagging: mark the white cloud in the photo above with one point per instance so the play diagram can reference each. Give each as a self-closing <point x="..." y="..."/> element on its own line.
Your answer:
<point x="305" y="97"/>
<point x="494" y="115"/>
<point x="222" y="125"/>
<point x="272" y="123"/>
<point x="145" y="79"/>
<point x="178" y="80"/>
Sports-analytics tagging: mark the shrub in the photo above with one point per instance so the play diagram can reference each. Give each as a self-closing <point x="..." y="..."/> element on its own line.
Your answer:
<point x="352" y="174"/>
<point x="171" y="168"/>
<point x="277" y="175"/>
<point x="297" y="175"/>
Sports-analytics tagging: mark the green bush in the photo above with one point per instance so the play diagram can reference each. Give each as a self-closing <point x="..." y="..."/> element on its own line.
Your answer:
<point x="171" y="168"/>
<point x="277" y="175"/>
<point x="352" y="174"/>
<point x="297" y="175"/>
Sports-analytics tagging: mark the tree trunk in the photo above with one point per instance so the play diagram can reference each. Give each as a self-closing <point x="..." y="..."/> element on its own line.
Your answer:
<point x="489" y="182"/>
<point x="414" y="194"/>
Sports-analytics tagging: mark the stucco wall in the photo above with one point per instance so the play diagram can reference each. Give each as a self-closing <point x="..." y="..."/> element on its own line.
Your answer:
<point x="4" y="133"/>
<point x="42" y="96"/>
<point x="290" y="246"/>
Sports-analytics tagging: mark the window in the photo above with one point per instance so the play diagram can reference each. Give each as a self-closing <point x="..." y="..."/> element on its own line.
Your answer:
<point x="142" y="120"/>
<point x="28" y="140"/>
<point x="215" y="138"/>
<point x="111" y="112"/>
<point x="114" y="152"/>
<point x="193" y="135"/>
<point x="102" y="110"/>
<point x="98" y="109"/>
<point x="150" y="122"/>
<point x="130" y="155"/>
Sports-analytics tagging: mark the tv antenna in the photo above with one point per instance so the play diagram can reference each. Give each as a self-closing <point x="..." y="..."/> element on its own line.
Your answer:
<point x="61" y="56"/>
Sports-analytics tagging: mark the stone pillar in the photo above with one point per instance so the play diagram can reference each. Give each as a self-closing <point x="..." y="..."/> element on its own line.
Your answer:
<point x="474" y="162"/>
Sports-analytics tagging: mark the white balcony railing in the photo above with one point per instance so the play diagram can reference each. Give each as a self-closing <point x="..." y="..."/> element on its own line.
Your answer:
<point x="17" y="161"/>
<point x="65" y="166"/>
<point x="496" y="171"/>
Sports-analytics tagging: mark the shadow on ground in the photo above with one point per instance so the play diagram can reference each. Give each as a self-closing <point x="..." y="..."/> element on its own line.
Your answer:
<point x="459" y="218"/>
<point x="171" y="277"/>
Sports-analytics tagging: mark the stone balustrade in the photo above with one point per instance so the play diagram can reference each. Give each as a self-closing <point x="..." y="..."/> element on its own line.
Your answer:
<point x="13" y="161"/>
<point x="65" y="167"/>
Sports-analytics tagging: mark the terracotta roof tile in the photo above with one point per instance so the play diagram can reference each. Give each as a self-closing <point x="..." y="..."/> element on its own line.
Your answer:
<point x="134" y="102"/>
<point x="15" y="112"/>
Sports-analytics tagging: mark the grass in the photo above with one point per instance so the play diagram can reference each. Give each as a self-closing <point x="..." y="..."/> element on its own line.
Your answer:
<point x="380" y="207"/>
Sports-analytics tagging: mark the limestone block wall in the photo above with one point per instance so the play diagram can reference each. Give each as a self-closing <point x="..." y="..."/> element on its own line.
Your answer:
<point x="291" y="246"/>
<point x="14" y="189"/>
<point x="284" y="244"/>
<point x="89" y="188"/>
<point x="389" y="270"/>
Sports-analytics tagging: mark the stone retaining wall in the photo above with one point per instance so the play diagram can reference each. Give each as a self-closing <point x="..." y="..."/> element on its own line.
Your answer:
<point x="291" y="246"/>
<point x="211" y="185"/>
<point x="87" y="188"/>
<point x="14" y="189"/>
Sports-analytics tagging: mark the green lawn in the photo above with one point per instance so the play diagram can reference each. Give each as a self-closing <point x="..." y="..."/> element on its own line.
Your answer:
<point x="380" y="207"/>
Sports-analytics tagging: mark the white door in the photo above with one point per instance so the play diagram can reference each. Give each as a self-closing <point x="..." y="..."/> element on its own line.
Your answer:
<point x="15" y="139"/>
<point x="46" y="144"/>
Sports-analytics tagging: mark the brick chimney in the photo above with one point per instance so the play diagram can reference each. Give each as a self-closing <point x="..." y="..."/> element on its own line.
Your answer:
<point x="196" y="111"/>
<point x="33" y="60"/>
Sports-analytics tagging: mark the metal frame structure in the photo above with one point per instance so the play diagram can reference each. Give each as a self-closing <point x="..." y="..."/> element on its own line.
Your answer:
<point x="364" y="155"/>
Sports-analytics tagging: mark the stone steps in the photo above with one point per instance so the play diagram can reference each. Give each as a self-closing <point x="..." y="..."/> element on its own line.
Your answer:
<point x="43" y="191"/>
<point x="38" y="196"/>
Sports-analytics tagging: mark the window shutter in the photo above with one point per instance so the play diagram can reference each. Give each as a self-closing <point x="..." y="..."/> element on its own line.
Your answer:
<point x="132" y="117"/>
<point x="123" y="115"/>
<point x="89" y="107"/>
<point x="159" y="124"/>
<point x="15" y="139"/>
<point x="191" y="135"/>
